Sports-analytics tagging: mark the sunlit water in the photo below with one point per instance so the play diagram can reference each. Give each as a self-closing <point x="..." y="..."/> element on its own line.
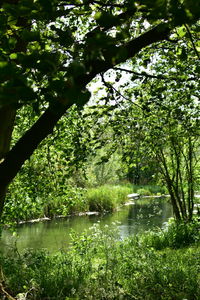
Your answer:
<point x="54" y="235"/>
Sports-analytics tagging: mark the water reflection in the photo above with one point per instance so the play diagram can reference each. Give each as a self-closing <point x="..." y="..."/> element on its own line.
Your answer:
<point x="143" y="217"/>
<point x="55" y="234"/>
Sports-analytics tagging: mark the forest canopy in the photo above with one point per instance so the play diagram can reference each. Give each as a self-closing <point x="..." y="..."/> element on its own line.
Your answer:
<point x="50" y="51"/>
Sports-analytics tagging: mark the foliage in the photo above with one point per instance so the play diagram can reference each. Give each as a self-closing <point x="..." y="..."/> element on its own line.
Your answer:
<point x="144" y="192"/>
<point x="160" y="132"/>
<point x="23" y="208"/>
<point x="150" y="190"/>
<point x="174" y="235"/>
<point x="99" y="266"/>
<point x="24" y="205"/>
<point x="51" y="50"/>
<point x="107" y="198"/>
<point x="53" y="181"/>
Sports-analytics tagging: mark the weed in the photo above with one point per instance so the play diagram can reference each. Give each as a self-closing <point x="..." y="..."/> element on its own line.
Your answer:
<point x="100" y="266"/>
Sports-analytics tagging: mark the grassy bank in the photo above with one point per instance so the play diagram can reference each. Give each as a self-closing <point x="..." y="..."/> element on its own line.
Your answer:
<point x="22" y="207"/>
<point x="107" y="197"/>
<point x="160" y="265"/>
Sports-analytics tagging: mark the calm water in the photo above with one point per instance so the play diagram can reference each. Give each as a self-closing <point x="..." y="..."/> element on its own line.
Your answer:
<point x="55" y="234"/>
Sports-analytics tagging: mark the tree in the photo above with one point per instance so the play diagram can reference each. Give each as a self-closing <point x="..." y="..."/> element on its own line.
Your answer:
<point x="172" y="135"/>
<point x="171" y="124"/>
<point x="51" y="50"/>
<point x="161" y="125"/>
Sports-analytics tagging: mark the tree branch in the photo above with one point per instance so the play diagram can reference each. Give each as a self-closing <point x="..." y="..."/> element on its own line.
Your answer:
<point x="192" y="41"/>
<point x="129" y="50"/>
<point x="70" y="3"/>
<point x="108" y="4"/>
<point x="24" y="148"/>
<point x="144" y="74"/>
<point x="118" y="92"/>
<point x="8" y="296"/>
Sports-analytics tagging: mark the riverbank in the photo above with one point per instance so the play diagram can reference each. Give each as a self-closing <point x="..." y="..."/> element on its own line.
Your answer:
<point x="143" y="215"/>
<point x="106" y="198"/>
<point x="100" y="266"/>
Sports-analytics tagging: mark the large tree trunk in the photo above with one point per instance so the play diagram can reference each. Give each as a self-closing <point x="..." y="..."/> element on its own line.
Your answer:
<point x="24" y="148"/>
<point x="8" y="112"/>
<point x="7" y="118"/>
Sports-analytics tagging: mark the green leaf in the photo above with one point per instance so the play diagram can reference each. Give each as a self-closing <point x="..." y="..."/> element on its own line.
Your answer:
<point x="3" y="64"/>
<point x="181" y="31"/>
<point x="13" y="56"/>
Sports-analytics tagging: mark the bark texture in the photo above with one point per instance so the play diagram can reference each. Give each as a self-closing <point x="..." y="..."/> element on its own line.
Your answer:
<point x="7" y="118"/>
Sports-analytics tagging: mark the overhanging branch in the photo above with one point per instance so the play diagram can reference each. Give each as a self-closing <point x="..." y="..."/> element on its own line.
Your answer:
<point x="192" y="41"/>
<point x="45" y="124"/>
<point x="162" y="77"/>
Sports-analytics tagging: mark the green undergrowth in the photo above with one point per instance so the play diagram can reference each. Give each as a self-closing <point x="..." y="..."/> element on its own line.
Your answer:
<point x="72" y="200"/>
<point x="174" y="235"/>
<point x="22" y="205"/>
<point x="149" y="190"/>
<point x="156" y="265"/>
<point x="107" y="198"/>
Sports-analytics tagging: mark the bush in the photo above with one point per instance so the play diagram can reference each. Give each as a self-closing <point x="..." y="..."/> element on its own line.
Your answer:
<point x="21" y="207"/>
<point x="174" y="235"/>
<point x="72" y="200"/>
<point x="144" y="192"/>
<point x="148" y="190"/>
<point x="100" y="266"/>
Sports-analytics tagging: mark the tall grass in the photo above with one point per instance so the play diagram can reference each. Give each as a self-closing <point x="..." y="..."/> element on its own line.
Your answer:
<point x="107" y="197"/>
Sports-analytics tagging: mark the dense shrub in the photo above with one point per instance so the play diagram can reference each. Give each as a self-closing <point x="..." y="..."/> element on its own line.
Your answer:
<point x="174" y="235"/>
<point x="100" y="266"/>
<point x="22" y="207"/>
<point x="148" y="190"/>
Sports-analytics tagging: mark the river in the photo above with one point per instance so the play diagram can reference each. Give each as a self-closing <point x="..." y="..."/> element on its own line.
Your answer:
<point x="53" y="235"/>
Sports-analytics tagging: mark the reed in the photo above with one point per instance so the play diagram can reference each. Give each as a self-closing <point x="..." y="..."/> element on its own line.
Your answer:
<point x="107" y="197"/>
